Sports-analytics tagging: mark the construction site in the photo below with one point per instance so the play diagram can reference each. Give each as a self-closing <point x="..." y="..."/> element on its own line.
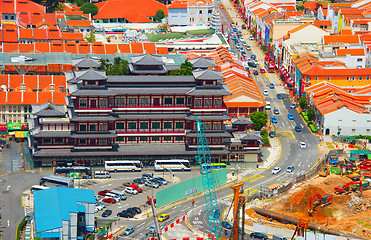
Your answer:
<point x="337" y="201"/>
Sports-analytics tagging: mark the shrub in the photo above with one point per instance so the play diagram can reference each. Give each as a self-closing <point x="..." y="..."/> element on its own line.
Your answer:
<point x="304" y="113"/>
<point x="20" y="227"/>
<point x="264" y="133"/>
<point x="306" y="118"/>
<point x="265" y="140"/>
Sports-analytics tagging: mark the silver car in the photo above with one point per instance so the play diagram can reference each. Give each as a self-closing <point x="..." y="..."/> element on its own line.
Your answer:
<point x="152" y="184"/>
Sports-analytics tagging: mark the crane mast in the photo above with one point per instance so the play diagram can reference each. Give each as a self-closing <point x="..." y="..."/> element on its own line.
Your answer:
<point x="203" y="158"/>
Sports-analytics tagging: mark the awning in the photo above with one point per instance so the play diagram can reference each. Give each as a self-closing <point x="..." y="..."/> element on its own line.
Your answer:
<point x="102" y="233"/>
<point x="274" y="186"/>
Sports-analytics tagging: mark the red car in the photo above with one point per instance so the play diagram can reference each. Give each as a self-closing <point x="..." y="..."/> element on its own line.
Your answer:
<point x="103" y="193"/>
<point x="149" y="202"/>
<point x="136" y="187"/>
<point x="109" y="200"/>
<point x="262" y="70"/>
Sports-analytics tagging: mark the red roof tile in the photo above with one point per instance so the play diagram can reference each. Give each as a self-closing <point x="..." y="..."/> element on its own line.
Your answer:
<point x="110" y="48"/>
<point x="333" y="39"/>
<point x="322" y="23"/>
<point x="26" y="48"/>
<point x="136" y="47"/>
<point x="42" y="47"/>
<point x="79" y="23"/>
<point x="178" y="4"/>
<point x="150" y="48"/>
<point x="72" y="36"/>
<point x="132" y="10"/>
<point x="25" y="33"/>
<point x="56" y="46"/>
<point x="10" y="33"/>
<point x="54" y="33"/>
<point x="7" y="6"/>
<point x="70" y="47"/>
<point x="351" y="51"/>
<point x="40" y="34"/>
<point x="84" y="47"/>
<point x="124" y="48"/>
<point x="98" y="48"/>
<point x="50" y="19"/>
<point x="10" y="47"/>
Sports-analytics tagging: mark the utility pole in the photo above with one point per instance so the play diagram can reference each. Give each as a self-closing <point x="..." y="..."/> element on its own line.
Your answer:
<point x="157" y="227"/>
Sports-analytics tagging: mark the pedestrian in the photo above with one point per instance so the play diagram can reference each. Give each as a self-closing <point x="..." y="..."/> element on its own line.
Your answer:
<point x="193" y="203"/>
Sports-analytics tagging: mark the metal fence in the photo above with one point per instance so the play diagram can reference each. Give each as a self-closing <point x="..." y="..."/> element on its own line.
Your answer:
<point x="278" y="189"/>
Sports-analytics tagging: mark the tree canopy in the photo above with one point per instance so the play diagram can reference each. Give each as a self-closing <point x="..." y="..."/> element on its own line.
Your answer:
<point x="160" y="14"/>
<point x="311" y="113"/>
<point x="119" y="66"/>
<point x="259" y="119"/>
<point x="87" y="8"/>
<point x="185" y="69"/>
<point x="303" y="103"/>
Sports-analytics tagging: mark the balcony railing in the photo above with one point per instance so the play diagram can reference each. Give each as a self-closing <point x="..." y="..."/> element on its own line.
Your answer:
<point x="118" y="131"/>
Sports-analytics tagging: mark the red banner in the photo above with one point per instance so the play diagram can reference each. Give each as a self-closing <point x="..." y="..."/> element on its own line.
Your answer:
<point x="177" y="221"/>
<point x="165" y="230"/>
<point x="172" y="225"/>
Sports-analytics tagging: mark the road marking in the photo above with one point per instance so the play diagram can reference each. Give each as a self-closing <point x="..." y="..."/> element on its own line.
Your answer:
<point x="106" y="185"/>
<point x="285" y="135"/>
<point x="299" y="164"/>
<point x="248" y="192"/>
<point x="8" y="223"/>
<point x="253" y="178"/>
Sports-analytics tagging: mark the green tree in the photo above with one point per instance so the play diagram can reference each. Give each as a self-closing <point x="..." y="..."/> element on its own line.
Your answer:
<point x="185" y="69"/>
<point x="90" y="37"/>
<point x="311" y="113"/>
<point x="79" y="3"/>
<point x="52" y="6"/>
<point x="259" y="119"/>
<point x="119" y="66"/>
<point x="303" y="103"/>
<point x="160" y="14"/>
<point x="87" y="8"/>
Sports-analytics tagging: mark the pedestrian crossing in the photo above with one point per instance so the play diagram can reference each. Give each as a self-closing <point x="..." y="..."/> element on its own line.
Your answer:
<point x="246" y="192"/>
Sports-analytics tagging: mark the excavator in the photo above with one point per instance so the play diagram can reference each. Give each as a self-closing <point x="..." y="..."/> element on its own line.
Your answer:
<point x="325" y="172"/>
<point x="351" y="186"/>
<point x="317" y="200"/>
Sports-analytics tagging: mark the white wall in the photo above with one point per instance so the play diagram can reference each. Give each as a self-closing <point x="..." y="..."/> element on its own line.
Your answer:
<point x="349" y="60"/>
<point x="347" y="120"/>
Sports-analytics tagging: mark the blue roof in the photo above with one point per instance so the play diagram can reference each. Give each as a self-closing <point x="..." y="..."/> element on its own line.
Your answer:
<point x="49" y="235"/>
<point x="52" y="206"/>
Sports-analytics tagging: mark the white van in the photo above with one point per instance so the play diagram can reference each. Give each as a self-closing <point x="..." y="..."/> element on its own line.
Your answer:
<point x="278" y="237"/>
<point x="119" y="194"/>
<point x="102" y="174"/>
<point x="114" y="196"/>
<point x="268" y="106"/>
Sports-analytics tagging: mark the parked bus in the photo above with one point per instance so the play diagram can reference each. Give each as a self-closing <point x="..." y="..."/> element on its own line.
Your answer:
<point x="125" y="165"/>
<point x="37" y="187"/>
<point x="173" y="165"/>
<point x="74" y="172"/>
<point x="218" y="165"/>
<point x="55" y="180"/>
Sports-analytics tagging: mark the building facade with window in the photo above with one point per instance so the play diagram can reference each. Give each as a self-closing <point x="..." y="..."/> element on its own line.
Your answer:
<point x="191" y="12"/>
<point x="144" y="117"/>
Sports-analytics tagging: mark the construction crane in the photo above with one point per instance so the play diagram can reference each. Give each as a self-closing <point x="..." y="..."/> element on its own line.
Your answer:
<point x="239" y="201"/>
<point x="157" y="227"/>
<point x="203" y="158"/>
<point x="300" y="228"/>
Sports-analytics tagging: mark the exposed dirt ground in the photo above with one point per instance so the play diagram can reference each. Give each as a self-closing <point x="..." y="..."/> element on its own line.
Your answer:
<point x="344" y="213"/>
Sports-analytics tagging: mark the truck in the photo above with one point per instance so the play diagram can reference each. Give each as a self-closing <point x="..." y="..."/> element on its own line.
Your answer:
<point x="352" y="186"/>
<point x="334" y="161"/>
<point x="366" y="164"/>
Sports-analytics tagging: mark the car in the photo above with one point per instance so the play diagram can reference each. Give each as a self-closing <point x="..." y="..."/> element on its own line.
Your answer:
<point x="262" y="70"/>
<point x="251" y="64"/>
<point x="253" y="57"/>
<point x="98" y="206"/>
<point x="272" y="134"/>
<point x="268" y="106"/>
<point x="265" y="92"/>
<point x="96" y="209"/>
<point x="238" y="45"/>
<point x="274" y="120"/>
<point x="226" y="225"/>
<point x="136" y="187"/>
<point x="103" y="193"/>
<point x="109" y="200"/>
<point x="275" y="111"/>
<point x="298" y="128"/>
<point x="241" y="39"/>
<point x="279" y="96"/>
<point x="256" y="62"/>
<point x="244" y="44"/>
<point x="243" y="26"/>
<point x="255" y="72"/>
<point x="107" y="213"/>
<point x="303" y="145"/>
<point x="137" y="210"/>
<point x="152" y="184"/>
<point x="131" y="190"/>
<point x="128" y="231"/>
<point x="149" y="202"/>
<point x="157" y="181"/>
<point x="291" y="116"/>
<point x="125" y="214"/>
<point x="102" y="204"/>
<point x="96" y="197"/>
<point x="164" y="182"/>
<point x="293" y="106"/>
<point x="151" y="229"/>
<point x="290" y="169"/>
<point x="276" y="170"/>
<point x="147" y="175"/>
<point x="258" y="235"/>
<point x="251" y="38"/>
<point x="248" y="48"/>
<point x="163" y="217"/>
<point x="271" y="85"/>
<point x="132" y="210"/>
<point x="139" y="181"/>
<point x="249" y="59"/>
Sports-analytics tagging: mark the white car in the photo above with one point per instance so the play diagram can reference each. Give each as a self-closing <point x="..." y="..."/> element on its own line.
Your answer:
<point x="242" y="40"/>
<point x="98" y="208"/>
<point x="256" y="62"/>
<point x="265" y="92"/>
<point x="131" y="190"/>
<point x="276" y="170"/>
<point x="303" y="145"/>
<point x="244" y="43"/>
<point x="251" y="37"/>
<point x="290" y="169"/>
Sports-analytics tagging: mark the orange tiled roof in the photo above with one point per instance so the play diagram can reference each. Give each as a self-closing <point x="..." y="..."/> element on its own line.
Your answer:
<point x="79" y="23"/>
<point x="333" y="39"/>
<point x="322" y="23"/>
<point x="7" y="6"/>
<point x="178" y="4"/>
<point x="351" y="51"/>
<point x="132" y="10"/>
<point x="72" y="36"/>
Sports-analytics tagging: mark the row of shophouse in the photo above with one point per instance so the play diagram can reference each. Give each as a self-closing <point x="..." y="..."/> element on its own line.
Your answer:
<point x="322" y="47"/>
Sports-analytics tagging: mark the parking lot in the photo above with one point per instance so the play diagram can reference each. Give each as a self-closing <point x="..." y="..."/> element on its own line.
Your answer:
<point x="139" y="200"/>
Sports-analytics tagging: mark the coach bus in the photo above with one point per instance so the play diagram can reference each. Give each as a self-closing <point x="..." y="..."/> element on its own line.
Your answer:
<point x="123" y="166"/>
<point x="173" y="165"/>
<point x="55" y="180"/>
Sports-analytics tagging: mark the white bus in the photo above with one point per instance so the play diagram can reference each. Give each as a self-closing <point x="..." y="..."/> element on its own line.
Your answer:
<point x="124" y="165"/>
<point x="55" y="180"/>
<point x="37" y="187"/>
<point x="173" y="165"/>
